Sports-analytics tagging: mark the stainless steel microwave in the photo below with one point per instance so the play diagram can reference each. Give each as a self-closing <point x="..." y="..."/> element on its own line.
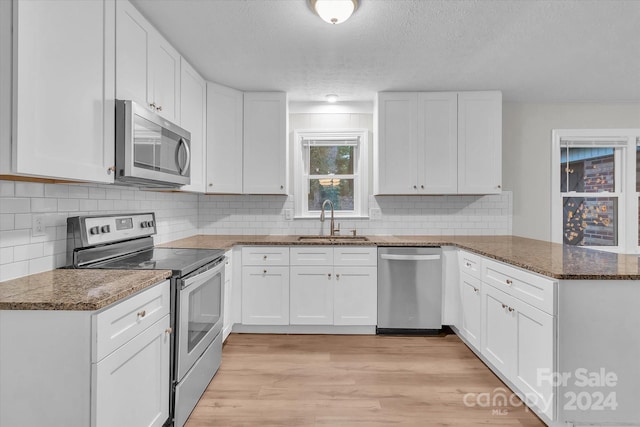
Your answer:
<point x="150" y="151"/>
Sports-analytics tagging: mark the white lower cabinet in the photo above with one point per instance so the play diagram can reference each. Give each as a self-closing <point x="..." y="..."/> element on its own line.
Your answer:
<point x="265" y="295"/>
<point x="518" y="340"/>
<point x="227" y="309"/>
<point x="132" y="384"/>
<point x="355" y="296"/>
<point x="320" y="285"/>
<point x="471" y="305"/>
<point x="83" y="368"/>
<point x="311" y="295"/>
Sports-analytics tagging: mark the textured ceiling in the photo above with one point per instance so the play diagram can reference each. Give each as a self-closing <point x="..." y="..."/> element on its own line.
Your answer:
<point x="532" y="50"/>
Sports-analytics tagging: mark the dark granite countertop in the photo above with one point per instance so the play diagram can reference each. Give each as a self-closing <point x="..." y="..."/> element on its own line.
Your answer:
<point x="69" y="289"/>
<point x="546" y="258"/>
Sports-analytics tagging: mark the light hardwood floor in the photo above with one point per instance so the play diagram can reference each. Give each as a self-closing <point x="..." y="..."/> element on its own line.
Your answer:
<point x="346" y="380"/>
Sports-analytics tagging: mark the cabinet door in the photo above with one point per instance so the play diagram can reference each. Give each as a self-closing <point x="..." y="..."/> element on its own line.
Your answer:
<point x="193" y="105"/>
<point x="355" y="296"/>
<point x="311" y="295"/>
<point x="133" y="34"/>
<point x="64" y="89"/>
<point x="265" y="295"/>
<point x="131" y="386"/>
<point x="164" y="63"/>
<point x="499" y="329"/>
<point x="224" y="139"/>
<point x="437" y="143"/>
<point x="265" y="160"/>
<point x="227" y="318"/>
<point x="534" y="352"/>
<point x="471" y="308"/>
<point x="395" y="168"/>
<point x="479" y="142"/>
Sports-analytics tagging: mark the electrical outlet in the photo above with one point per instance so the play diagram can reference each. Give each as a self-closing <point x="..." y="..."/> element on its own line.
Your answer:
<point x="375" y="214"/>
<point x="37" y="225"/>
<point x="288" y="214"/>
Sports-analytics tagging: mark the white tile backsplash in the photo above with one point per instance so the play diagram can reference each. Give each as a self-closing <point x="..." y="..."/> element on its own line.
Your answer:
<point x="181" y="215"/>
<point x="22" y="254"/>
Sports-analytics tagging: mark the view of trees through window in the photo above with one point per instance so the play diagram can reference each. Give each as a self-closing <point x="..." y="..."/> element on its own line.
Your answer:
<point x="331" y="176"/>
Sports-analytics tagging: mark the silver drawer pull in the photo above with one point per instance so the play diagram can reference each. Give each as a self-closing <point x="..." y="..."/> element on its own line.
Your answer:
<point x="168" y="331"/>
<point x="509" y="282"/>
<point x="338" y="276"/>
<point x="504" y="305"/>
<point x="142" y="313"/>
<point x="468" y="264"/>
<point x="475" y="290"/>
<point x="264" y="257"/>
<point x="329" y="275"/>
<point x="264" y="271"/>
<point x="510" y="309"/>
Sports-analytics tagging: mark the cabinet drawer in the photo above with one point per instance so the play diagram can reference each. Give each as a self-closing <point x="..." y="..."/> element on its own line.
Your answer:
<point x="311" y="255"/>
<point x="535" y="290"/>
<point x="355" y="255"/>
<point x="265" y="255"/>
<point x="121" y="322"/>
<point x="470" y="264"/>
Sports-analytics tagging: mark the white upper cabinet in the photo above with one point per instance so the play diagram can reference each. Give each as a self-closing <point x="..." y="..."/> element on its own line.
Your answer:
<point x="63" y="89"/>
<point x="193" y="110"/>
<point x="147" y="66"/>
<point x="438" y="143"/>
<point x="397" y="143"/>
<point x="479" y="142"/>
<point x="224" y="140"/>
<point x="266" y="154"/>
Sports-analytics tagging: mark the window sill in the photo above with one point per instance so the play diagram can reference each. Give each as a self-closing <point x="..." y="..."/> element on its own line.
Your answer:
<point x="328" y="217"/>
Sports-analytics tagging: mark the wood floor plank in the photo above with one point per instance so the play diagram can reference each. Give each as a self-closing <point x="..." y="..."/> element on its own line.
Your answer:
<point x="341" y="380"/>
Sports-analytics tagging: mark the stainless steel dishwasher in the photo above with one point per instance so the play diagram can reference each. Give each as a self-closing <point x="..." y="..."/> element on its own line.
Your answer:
<point x="409" y="290"/>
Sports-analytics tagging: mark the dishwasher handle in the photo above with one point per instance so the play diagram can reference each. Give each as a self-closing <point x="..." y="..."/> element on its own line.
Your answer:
<point x="394" y="257"/>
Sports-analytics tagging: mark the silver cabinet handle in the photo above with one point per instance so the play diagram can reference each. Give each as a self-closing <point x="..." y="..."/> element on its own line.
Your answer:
<point x="168" y="331"/>
<point x="509" y="282"/>
<point x="468" y="264"/>
<point x="510" y="309"/>
<point x="475" y="290"/>
<point x="159" y="108"/>
<point x="504" y="305"/>
<point x="153" y="105"/>
<point x="338" y="276"/>
<point x="329" y="276"/>
<point x="264" y="271"/>
<point x="264" y="257"/>
<point x="142" y="313"/>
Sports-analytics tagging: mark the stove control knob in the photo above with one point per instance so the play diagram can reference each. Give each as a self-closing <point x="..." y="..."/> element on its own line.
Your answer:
<point x="94" y="230"/>
<point x="105" y="229"/>
<point x="144" y="224"/>
<point x="150" y="223"/>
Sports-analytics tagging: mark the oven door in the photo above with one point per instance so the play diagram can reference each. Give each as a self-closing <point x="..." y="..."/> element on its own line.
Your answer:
<point x="199" y="317"/>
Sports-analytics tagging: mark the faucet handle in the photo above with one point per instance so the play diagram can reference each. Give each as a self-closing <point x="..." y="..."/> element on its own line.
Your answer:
<point x="353" y="232"/>
<point x="337" y="229"/>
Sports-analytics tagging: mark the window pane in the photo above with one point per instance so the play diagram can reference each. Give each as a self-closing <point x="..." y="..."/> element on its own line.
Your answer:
<point x="587" y="170"/>
<point x="331" y="160"/>
<point x="590" y="221"/>
<point x="339" y="191"/>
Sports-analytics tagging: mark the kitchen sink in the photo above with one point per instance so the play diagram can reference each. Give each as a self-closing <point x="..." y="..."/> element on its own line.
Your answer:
<point x="333" y="239"/>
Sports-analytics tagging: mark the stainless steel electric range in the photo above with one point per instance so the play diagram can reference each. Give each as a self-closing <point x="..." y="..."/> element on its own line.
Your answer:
<point x="124" y="242"/>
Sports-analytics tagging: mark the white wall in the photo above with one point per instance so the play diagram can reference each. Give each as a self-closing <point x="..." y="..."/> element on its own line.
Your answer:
<point x="22" y="254"/>
<point x="527" y="152"/>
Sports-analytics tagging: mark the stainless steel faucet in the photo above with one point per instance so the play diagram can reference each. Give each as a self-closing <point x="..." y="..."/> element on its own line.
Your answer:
<point x="332" y="228"/>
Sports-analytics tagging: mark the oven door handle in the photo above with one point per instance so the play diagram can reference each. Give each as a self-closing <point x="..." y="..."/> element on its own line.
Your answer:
<point x="203" y="275"/>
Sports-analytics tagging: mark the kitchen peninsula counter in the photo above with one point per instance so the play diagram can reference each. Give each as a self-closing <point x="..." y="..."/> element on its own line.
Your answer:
<point x="549" y="259"/>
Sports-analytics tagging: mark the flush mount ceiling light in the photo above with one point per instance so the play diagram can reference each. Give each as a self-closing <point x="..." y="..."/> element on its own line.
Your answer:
<point x="334" y="11"/>
<point x="332" y="97"/>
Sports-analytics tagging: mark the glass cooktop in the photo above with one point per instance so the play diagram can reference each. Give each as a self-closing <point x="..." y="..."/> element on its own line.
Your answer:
<point x="180" y="261"/>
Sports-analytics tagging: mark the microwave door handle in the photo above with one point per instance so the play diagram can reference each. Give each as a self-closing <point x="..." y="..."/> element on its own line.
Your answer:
<point x="183" y="169"/>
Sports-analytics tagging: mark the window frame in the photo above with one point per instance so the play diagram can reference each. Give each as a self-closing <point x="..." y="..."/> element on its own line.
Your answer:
<point x="625" y="191"/>
<point x="360" y="170"/>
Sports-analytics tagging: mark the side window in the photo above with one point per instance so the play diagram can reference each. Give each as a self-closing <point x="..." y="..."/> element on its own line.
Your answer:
<point x="595" y="194"/>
